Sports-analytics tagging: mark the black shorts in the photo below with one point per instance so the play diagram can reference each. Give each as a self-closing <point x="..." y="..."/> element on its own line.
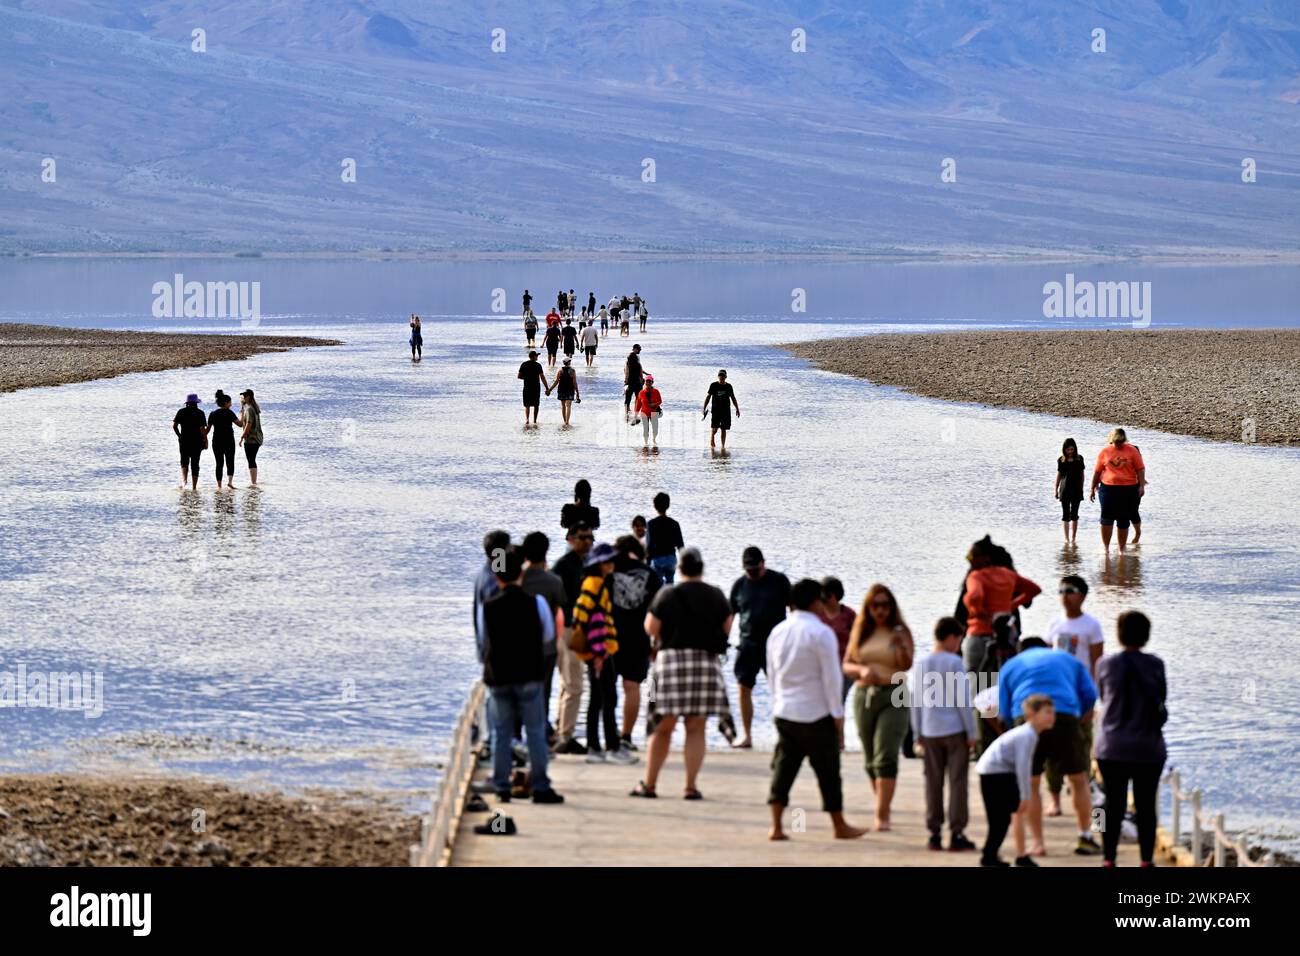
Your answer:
<point x="632" y="664"/>
<point x="750" y="659"/>
<point x="721" y="417"/>
<point x="1063" y="744"/>
<point x="1119" y="504"/>
<point x="250" y="452"/>
<point x="532" y="396"/>
<point x="1070" y="509"/>
<point x="190" y="459"/>
<point x="591" y="350"/>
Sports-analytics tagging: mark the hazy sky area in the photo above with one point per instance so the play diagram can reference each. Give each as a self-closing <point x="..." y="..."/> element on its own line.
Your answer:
<point x="1056" y="146"/>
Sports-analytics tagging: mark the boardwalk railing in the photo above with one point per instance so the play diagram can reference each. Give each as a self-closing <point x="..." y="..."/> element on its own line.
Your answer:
<point x="434" y="848"/>
<point x="1200" y="820"/>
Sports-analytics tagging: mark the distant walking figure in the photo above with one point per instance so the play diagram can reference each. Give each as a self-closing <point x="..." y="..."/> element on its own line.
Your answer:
<point x="591" y="304"/>
<point x="580" y="510"/>
<point x="221" y="427"/>
<point x="649" y="409"/>
<point x="723" y="397"/>
<point x="532" y="375"/>
<point x="552" y="340"/>
<point x="633" y="377"/>
<point x="530" y="328"/>
<point x="1069" y="488"/>
<point x="1122" y="477"/>
<point x="570" y="339"/>
<point x="604" y="321"/>
<point x="190" y="427"/>
<point x="251" y="439"/>
<point x="528" y="302"/>
<point x="589" y="338"/>
<point x="566" y="381"/>
<point x="663" y="539"/>
<point x="417" y="340"/>
<point x="643" y="314"/>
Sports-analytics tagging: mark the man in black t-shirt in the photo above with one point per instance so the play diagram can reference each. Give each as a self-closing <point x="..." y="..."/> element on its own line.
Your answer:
<point x="633" y="378"/>
<point x="760" y="599"/>
<point x="190" y="426"/>
<point x="532" y="374"/>
<point x="723" y="396"/>
<point x="552" y="339"/>
<point x="663" y="539"/>
<point x="570" y="339"/>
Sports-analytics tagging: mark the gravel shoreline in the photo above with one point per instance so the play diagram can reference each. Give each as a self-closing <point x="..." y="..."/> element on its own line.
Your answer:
<point x="1207" y="383"/>
<point x="62" y="820"/>
<point x="35" y="355"/>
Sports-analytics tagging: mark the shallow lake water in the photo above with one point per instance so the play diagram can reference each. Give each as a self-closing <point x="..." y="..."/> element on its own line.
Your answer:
<point x="316" y="631"/>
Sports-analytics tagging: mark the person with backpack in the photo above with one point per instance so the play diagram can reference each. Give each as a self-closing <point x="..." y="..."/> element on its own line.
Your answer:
<point x="992" y="594"/>
<point x="595" y="639"/>
<point x="518" y="630"/>
<point x="635" y="586"/>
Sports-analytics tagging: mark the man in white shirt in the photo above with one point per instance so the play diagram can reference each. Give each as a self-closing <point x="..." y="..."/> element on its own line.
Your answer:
<point x="1076" y="632"/>
<point x="589" y="338"/>
<point x="804" y="673"/>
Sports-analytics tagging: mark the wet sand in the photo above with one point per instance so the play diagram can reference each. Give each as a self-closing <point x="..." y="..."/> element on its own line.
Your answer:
<point x="62" y="820"/>
<point x="1208" y="383"/>
<point x="36" y="355"/>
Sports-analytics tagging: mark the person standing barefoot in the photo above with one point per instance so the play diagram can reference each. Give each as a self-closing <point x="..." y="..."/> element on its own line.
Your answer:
<point x="417" y="339"/>
<point x="251" y="438"/>
<point x="190" y="426"/>
<point x="880" y="646"/>
<point x="566" y="381"/>
<point x="1121" y="475"/>
<point x="723" y="396"/>
<point x="532" y="375"/>
<point x="1069" y="488"/>
<point x="804" y="673"/>
<point x="221" y="425"/>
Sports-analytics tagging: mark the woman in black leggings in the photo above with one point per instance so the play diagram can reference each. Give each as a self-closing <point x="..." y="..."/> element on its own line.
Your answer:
<point x="1069" y="488"/>
<point x="221" y="426"/>
<point x="1130" y="742"/>
<point x="251" y="439"/>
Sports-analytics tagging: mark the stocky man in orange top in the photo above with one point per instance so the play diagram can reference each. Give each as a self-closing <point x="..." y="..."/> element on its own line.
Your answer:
<point x="991" y="590"/>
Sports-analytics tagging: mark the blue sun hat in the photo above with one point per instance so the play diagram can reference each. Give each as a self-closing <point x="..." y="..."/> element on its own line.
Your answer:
<point x="600" y="554"/>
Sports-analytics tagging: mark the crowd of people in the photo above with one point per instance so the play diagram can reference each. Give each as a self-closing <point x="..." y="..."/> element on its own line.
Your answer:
<point x="196" y="432"/>
<point x="643" y="400"/>
<point x="614" y="616"/>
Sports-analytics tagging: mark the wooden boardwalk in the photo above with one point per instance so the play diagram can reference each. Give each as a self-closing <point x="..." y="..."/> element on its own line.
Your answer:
<point x="600" y="825"/>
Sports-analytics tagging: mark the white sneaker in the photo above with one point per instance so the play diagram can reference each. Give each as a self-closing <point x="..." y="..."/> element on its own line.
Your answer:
<point x="596" y="756"/>
<point x="621" y="756"/>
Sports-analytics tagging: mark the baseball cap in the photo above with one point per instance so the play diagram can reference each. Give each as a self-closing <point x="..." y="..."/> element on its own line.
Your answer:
<point x="752" y="557"/>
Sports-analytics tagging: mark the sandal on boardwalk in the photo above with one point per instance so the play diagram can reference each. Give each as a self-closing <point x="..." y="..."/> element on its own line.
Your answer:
<point x="692" y="794"/>
<point x="642" y="790"/>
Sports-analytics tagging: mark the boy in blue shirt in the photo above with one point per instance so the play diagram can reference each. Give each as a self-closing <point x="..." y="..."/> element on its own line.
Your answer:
<point x="1063" y="678"/>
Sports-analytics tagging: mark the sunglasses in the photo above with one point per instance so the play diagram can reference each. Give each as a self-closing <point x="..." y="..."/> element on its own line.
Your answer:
<point x="1067" y="590"/>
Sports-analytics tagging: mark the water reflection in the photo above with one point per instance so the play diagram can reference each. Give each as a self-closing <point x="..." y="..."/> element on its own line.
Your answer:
<point x="1122" y="572"/>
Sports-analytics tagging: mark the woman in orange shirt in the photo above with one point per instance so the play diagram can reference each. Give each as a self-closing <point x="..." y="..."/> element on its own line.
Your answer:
<point x="1122" y="477"/>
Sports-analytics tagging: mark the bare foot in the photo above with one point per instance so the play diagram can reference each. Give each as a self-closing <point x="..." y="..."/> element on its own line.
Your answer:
<point x="1054" y="811"/>
<point x="745" y="744"/>
<point x="850" y="833"/>
<point x="1037" y="851"/>
<point x="882" y="826"/>
<point x="777" y="835"/>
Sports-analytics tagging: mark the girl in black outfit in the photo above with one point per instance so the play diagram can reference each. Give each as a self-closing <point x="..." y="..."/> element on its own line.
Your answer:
<point x="1069" y="488"/>
<point x="221" y="426"/>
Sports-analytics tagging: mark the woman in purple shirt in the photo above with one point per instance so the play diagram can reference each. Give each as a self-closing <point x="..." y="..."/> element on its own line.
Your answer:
<point x="1130" y="742"/>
